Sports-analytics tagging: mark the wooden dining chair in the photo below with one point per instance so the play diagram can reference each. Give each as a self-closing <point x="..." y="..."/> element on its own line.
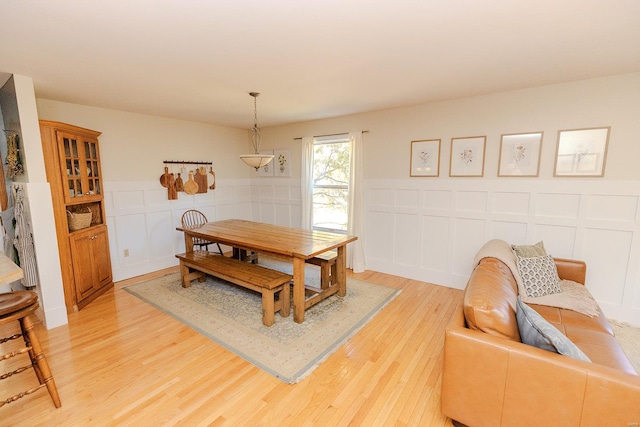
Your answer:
<point x="195" y="217"/>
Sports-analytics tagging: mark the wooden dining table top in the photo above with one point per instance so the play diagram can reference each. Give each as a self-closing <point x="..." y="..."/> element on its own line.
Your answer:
<point x="277" y="239"/>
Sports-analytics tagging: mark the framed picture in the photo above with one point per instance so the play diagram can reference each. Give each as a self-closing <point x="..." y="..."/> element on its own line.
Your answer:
<point x="267" y="170"/>
<point x="582" y="152"/>
<point x="467" y="156"/>
<point x="425" y="158"/>
<point x="281" y="163"/>
<point x="520" y="154"/>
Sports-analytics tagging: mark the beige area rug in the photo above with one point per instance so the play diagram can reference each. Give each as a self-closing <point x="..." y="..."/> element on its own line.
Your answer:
<point x="629" y="338"/>
<point x="232" y="316"/>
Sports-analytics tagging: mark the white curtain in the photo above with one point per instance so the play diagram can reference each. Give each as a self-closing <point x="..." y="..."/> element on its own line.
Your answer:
<point x="306" y="184"/>
<point x="355" y="250"/>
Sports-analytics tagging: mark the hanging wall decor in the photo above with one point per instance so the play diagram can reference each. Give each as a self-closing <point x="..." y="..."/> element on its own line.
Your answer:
<point x="281" y="163"/>
<point x="520" y="154"/>
<point x="582" y="152"/>
<point x="14" y="162"/>
<point x="425" y="158"/>
<point x="467" y="156"/>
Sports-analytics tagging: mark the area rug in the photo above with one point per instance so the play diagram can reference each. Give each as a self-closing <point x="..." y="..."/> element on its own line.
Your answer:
<point x="629" y="338"/>
<point x="232" y="316"/>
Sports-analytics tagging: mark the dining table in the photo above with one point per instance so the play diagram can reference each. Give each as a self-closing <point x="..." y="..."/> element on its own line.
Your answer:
<point x="296" y="245"/>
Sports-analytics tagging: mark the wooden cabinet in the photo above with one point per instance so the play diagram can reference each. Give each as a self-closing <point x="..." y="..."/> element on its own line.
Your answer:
<point x="91" y="262"/>
<point x="72" y="162"/>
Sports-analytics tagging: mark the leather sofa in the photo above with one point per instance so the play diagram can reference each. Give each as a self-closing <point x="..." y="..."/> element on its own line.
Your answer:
<point x="491" y="378"/>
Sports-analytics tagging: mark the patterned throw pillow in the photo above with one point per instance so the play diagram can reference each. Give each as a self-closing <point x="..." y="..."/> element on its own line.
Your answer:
<point x="529" y="251"/>
<point x="536" y="331"/>
<point x="539" y="276"/>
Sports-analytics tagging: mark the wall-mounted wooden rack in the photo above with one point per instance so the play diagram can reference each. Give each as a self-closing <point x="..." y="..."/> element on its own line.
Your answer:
<point x="184" y="162"/>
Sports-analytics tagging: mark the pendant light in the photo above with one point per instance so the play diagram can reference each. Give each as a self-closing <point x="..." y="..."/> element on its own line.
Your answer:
<point x="256" y="160"/>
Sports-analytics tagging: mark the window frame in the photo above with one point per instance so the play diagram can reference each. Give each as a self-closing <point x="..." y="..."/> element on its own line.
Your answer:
<point x="325" y="140"/>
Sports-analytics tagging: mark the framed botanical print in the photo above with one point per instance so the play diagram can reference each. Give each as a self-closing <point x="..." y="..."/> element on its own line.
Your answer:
<point x="281" y="163"/>
<point x="425" y="158"/>
<point x="582" y="152"/>
<point x="520" y="154"/>
<point x="467" y="156"/>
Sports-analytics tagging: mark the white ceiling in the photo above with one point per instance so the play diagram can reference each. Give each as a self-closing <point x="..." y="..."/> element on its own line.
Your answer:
<point x="198" y="59"/>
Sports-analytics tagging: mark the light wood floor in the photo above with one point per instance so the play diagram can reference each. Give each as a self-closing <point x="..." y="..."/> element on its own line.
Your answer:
<point x="121" y="362"/>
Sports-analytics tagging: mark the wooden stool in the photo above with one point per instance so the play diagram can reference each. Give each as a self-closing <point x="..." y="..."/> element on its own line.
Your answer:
<point x="20" y="306"/>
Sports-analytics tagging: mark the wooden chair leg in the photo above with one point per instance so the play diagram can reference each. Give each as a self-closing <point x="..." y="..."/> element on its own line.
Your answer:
<point x="40" y="365"/>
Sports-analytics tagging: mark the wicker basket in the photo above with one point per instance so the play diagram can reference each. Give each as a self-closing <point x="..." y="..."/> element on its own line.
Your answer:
<point x="79" y="220"/>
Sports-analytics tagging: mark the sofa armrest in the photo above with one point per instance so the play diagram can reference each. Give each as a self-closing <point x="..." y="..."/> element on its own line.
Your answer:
<point x="570" y="269"/>
<point x="491" y="381"/>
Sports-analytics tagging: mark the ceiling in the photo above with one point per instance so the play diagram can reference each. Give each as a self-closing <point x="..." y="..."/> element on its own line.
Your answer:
<point x="198" y="59"/>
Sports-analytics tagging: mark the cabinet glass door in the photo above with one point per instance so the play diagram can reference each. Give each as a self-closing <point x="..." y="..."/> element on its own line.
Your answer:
<point x="72" y="164"/>
<point x="91" y="163"/>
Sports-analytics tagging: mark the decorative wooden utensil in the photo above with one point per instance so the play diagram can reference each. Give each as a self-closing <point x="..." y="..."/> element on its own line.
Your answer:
<point x="190" y="187"/>
<point x="179" y="183"/>
<point x="201" y="179"/>
<point x="172" y="193"/>
<point x="164" y="178"/>
<point x="213" y="185"/>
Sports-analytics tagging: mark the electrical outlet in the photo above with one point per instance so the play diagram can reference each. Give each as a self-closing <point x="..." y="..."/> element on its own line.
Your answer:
<point x="126" y="252"/>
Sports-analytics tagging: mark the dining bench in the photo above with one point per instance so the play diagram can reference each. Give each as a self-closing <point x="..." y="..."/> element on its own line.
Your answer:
<point x="270" y="283"/>
<point x="327" y="263"/>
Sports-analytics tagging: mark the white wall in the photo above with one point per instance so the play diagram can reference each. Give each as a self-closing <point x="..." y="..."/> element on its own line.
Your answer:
<point x="38" y="206"/>
<point x="430" y="228"/>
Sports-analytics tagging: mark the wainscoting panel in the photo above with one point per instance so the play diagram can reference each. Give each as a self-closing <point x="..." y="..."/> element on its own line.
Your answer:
<point x="562" y="239"/>
<point x="406" y="234"/>
<point x="596" y="221"/>
<point x="469" y="235"/>
<point x="558" y="205"/>
<point x="511" y="203"/>
<point x="512" y="232"/>
<point x="423" y="229"/>
<point x="143" y="221"/>
<point x="612" y="249"/>
<point x="437" y="200"/>
<point x="435" y="230"/>
<point x="612" y="208"/>
<point x="471" y="201"/>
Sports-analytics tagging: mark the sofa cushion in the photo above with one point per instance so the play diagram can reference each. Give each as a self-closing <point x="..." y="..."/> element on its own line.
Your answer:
<point x="600" y="347"/>
<point x="536" y="331"/>
<point x="539" y="276"/>
<point x="490" y="300"/>
<point x="529" y="251"/>
<point x="572" y="318"/>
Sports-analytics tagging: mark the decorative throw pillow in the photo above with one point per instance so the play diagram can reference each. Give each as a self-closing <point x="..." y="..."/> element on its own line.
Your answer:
<point x="539" y="276"/>
<point x="529" y="251"/>
<point x="536" y="331"/>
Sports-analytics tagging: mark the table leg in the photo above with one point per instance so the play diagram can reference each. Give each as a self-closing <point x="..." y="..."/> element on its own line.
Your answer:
<point x="188" y="243"/>
<point x="298" y="290"/>
<point x="341" y="270"/>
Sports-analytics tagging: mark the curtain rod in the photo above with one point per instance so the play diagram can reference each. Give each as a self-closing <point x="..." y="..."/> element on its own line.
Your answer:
<point x="332" y="134"/>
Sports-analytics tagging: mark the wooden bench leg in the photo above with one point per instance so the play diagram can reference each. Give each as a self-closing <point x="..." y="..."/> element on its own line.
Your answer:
<point x="325" y="275"/>
<point x="184" y="273"/>
<point x="285" y="297"/>
<point x="268" y="307"/>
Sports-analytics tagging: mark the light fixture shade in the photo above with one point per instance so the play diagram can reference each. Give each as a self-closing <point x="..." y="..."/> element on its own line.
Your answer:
<point x="257" y="160"/>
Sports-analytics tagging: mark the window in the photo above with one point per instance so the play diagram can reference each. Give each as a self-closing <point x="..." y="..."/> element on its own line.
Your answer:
<point x="331" y="163"/>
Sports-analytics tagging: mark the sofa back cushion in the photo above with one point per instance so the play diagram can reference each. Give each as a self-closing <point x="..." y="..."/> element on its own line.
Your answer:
<point x="490" y="300"/>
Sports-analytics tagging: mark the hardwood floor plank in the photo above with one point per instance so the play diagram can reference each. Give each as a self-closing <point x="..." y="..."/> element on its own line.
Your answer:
<point x="120" y="361"/>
